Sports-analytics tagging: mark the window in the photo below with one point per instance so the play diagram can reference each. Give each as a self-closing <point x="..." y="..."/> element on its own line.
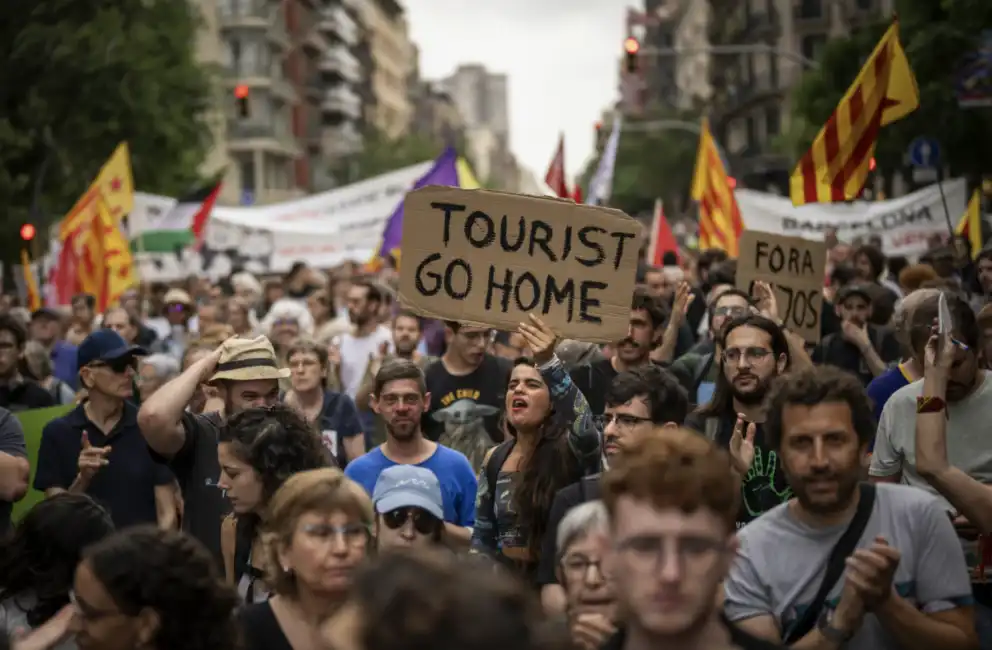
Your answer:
<point x="752" y="133"/>
<point x="865" y="5"/>
<point x="812" y="45"/>
<point x="809" y="9"/>
<point x="773" y="70"/>
<point x="773" y="121"/>
<point x="246" y="169"/>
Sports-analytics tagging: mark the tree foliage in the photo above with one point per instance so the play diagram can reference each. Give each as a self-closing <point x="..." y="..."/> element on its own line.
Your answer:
<point x="381" y="154"/>
<point x="937" y="35"/>
<point x="652" y="162"/>
<point x="80" y="77"/>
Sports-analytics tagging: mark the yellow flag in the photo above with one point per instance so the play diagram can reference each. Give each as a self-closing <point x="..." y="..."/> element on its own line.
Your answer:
<point x="466" y="178"/>
<point x="107" y="269"/>
<point x="970" y="224"/>
<point x="114" y="184"/>
<point x="30" y="283"/>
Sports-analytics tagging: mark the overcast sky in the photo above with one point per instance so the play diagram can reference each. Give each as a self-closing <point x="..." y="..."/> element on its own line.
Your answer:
<point x="561" y="57"/>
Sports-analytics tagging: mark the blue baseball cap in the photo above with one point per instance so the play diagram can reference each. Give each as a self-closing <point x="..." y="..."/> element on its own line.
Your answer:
<point x="408" y="486"/>
<point x="105" y="345"/>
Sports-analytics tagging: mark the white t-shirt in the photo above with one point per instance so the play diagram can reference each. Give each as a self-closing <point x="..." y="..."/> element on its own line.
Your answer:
<point x="356" y="353"/>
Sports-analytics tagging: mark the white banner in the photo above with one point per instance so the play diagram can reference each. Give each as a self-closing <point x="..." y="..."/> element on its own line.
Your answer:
<point x="904" y="224"/>
<point x="324" y="229"/>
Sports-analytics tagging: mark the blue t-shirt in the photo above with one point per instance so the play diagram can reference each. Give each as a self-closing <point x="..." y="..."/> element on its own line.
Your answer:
<point x="453" y="472"/>
<point x="339" y="420"/>
<point x="64" y="363"/>
<point x="880" y="389"/>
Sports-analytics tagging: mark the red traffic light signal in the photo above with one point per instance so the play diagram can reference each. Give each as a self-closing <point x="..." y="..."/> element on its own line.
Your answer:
<point x="871" y="164"/>
<point x="241" y="96"/>
<point x="241" y="91"/>
<point x="631" y="47"/>
<point x="27" y="232"/>
<point x="732" y="182"/>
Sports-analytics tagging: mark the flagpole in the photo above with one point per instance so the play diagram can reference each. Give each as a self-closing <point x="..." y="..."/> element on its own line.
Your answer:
<point x="943" y="200"/>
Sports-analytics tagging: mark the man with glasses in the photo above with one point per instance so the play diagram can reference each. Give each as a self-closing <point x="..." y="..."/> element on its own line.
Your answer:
<point x="672" y="502"/>
<point x="754" y="350"/>
<point x="98" y="449"/>
<point x="639" y="401"/>
<point x="466" y="382"/>
<point x="400" y="398"/>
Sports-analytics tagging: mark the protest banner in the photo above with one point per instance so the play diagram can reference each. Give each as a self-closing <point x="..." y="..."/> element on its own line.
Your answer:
<point x="33" y="422"/>
<point x="491" y="258"/>
<point x="794" y="267"/>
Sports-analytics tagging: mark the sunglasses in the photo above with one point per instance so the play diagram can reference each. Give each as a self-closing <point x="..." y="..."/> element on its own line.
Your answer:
<point x="423" y="522"/>
<point x="118" y="366"/>
<point x="176" y="308"/>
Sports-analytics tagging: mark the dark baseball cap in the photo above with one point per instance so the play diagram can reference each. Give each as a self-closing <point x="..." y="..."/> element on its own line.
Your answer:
<point x="46" y="312"/>
<point x="856" y="289"/>
<point x="105" y="345"/>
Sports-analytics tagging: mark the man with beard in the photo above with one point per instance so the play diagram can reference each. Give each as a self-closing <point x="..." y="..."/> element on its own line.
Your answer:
<point x="638" y="403"/>
<point x="754" y="351"/>
<point x="647" y="324"/>
<point x="861" y="348"/>
<point x="243" y="374"/>
<point x="400" y="397"/>
<point x="672" y="502"/>
<point x="895" y="577"/>
<point x="368" y="338"/>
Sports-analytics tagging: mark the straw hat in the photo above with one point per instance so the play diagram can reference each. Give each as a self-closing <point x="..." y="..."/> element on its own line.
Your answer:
<point x="177" y="297"/>
<point x="248" y="360"/>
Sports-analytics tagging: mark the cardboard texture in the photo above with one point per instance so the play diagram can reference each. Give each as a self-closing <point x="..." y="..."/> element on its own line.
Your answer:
<point x="794" y="267"/>
<point x="490" y="258"/>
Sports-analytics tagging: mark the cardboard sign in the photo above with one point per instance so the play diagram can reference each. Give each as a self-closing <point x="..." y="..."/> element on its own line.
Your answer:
<point x="794" y="267"/>
<point x="491" y="258"/>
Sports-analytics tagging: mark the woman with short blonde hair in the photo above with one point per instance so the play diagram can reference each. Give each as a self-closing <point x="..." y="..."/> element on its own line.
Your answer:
<point x="317" y="534"/>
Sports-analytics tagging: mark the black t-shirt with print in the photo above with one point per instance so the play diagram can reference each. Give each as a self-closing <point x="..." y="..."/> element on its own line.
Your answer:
<point x="764" y="486"/>
<point x="460" y="401"/>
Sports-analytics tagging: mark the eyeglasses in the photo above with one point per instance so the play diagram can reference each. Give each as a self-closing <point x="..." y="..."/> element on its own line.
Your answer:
<point x="576" y="567"/>
<point x="89" y="613"/>
<point x="176" y="307"/>
<point x="647" y="552"/>
<point x="730" y="311"/>
<point x="623" y="420"/>
<point x="423" y="522"/>
<point x="303" y="363"/>
<point x="352" y="534"/>
<point x="751" y="355"/>
<point x="118" y="366"/>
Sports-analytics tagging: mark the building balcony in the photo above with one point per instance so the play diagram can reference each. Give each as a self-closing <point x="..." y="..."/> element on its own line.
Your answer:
<point x="741" y="98"/>
<point x="336" y="21"/>
<point x="811" y="14"/>
<point x="339" y="62"/>
<point x="341" y="140"/>
<point x="342" y="101"/>
<point x="254" y="14"/>
<point x="314" y="40"/>
<point x="254" y="135"/>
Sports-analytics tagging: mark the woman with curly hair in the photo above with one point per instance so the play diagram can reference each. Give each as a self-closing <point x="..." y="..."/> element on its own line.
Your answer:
<point x="39" y="558"/>
<point x="258" y="449"/>
<point x="318" y="534"/>
<point x="152" y="589"/>
<point x="553" y="442"/>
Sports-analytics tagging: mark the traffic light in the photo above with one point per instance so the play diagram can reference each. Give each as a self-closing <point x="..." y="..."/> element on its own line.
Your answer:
<point x="241" y="96"/>
<point x="27" y="232"/>
<point x="631" y="47"/>
<point x="732" y="182"/>
<point x="871" y="165"/>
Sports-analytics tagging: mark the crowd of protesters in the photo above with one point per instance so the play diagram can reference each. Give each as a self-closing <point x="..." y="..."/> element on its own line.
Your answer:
<point x="298" y="463"/>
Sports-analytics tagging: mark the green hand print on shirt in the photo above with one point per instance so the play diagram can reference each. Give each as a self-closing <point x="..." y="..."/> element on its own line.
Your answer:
<point x="759" y="490"/>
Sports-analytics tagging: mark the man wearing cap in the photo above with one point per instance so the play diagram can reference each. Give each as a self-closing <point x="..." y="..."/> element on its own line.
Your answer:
<point x="409" y="508"/>
<point x="46" y="328"/>
<point x="244" y="374"/>
<point x="863" y="349"/>
<point x="97" y="448"/>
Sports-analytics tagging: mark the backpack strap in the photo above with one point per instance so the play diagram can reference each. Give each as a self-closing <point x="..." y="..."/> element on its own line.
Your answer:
<point x="496" y="460"/>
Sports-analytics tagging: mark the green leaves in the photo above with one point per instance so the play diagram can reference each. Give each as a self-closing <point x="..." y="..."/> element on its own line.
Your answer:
<point x="381" y="155"/>
<point x="80" y="77"/>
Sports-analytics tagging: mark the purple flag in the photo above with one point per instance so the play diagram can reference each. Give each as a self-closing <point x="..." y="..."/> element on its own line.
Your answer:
<point x="444" y="172"/>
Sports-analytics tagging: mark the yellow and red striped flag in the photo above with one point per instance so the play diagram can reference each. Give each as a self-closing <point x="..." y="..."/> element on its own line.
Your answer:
<point x="30" y="281"/>
<point x="720" y="224"/>
<point x="115" y="187"/>
<point x="970" y="224"/>
<point x="837" y="164"/>
<point x="106" y="269"/>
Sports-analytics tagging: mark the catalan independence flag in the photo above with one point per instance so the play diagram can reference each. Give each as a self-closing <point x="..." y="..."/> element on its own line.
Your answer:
<point x="970" y="224"/>
<point x="720" y="224"/>
<point x="837" y="164"/>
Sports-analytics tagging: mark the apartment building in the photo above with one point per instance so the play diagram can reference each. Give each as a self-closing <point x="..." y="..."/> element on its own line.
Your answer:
<point x="435" y="113"/>
<point x="390" y="57"/>
<point x="748" y="90"/>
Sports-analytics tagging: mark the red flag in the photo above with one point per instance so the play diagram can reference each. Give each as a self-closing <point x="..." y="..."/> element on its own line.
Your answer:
<point x="662" y="239"/>
<point x="577" y="193"/>
<point x="555" y="178"/>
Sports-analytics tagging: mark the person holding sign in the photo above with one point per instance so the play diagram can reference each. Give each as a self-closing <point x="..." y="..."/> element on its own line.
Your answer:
<point x="554" y="442"/>
<point x="862" y="349"/>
